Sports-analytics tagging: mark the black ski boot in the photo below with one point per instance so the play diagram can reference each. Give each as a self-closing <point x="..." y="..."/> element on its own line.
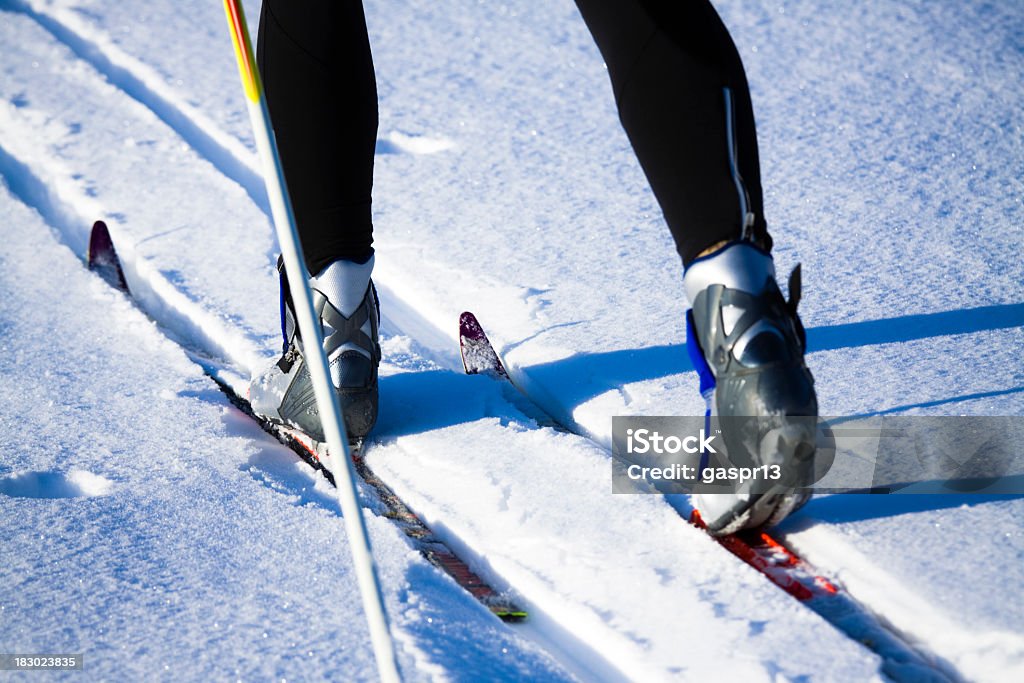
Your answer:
<point x="346" y="301"/>
<point x="748" y="344"/>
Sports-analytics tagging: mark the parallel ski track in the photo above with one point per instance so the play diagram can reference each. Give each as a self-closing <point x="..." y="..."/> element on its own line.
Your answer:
<point x="420" y="536"/>
<point x="139" y="82"/>
<point x="102" y="259"/>
<point x="903" y="660"/>
<point x="233" y="160"/>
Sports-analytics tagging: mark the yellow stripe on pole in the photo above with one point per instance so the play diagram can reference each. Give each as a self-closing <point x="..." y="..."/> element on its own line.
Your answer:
<point x="243" y="50"/>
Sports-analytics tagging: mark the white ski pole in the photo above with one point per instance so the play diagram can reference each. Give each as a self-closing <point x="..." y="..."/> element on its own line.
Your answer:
<point x="326" y="398"/>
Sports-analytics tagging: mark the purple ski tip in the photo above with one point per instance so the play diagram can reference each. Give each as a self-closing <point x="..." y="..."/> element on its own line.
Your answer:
<point x="103" y="259"/>
<point x="478" y="356"/>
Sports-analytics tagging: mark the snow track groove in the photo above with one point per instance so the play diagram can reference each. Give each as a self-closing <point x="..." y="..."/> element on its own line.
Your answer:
<point x="906" y="658"/>
<point x="544" y="631"/>
<point x="145" y="86"/>
<point x="233" y="556"/>
<point x="570" y="652"/>
<point x="48" y="157"/>
<point x="64" y="199"/>
<point x="915" y="618"/>
<point x="182" y="320"/>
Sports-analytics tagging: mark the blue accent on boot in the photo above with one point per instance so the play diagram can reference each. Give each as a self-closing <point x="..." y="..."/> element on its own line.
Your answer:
<point x="707" y="379"/>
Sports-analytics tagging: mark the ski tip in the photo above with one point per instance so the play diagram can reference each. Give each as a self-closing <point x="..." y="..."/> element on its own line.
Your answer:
<point x="100" y="243"/>
<point x="478" y="356"/>
<point x="469" y="326"/>
<point x="102" y="258"/>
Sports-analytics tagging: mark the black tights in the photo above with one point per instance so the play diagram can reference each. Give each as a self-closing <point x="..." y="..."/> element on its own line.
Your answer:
<point x="679" y="85"/>
<point x="314" y="58"/>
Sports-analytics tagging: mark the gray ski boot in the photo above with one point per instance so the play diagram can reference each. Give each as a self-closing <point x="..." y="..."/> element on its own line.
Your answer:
<point x="346" y="301"/>
<point x="748" y="344"/>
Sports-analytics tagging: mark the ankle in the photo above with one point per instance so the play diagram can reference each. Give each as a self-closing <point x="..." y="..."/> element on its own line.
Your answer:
<point x="737" y="265"/>
<point x="717" y="246"/>
<point x="344" y="283"/>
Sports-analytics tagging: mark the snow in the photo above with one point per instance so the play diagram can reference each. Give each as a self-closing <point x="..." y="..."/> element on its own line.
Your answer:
<point x="72" y="484"/>
<point x="132" y="496"/>
<point x="156" y="530"/>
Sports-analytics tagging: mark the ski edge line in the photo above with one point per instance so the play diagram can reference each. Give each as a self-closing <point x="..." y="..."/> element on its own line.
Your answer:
<point x="103" y="260"/>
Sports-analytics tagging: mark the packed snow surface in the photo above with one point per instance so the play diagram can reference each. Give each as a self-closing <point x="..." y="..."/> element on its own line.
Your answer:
<point x="152" y="527"/>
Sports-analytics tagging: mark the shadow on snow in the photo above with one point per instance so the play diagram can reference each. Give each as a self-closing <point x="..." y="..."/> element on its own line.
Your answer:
<point x="584" y="376"/>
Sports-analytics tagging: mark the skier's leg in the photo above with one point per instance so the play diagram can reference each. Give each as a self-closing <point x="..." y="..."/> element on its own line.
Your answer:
<point x="314" y="57"/>
<point x="683" y="99"/>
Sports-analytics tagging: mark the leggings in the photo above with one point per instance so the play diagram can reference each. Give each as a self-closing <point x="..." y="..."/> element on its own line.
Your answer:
<point x="679" y="87"/>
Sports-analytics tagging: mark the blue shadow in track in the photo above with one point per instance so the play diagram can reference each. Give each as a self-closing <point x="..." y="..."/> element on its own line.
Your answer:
<point x="420" y="401"/>
<point x="938" y="402"/>
<point x="911" y="327"/>
<point x="856" y="507"/>
<point x="586" y="375"/>
<point x="415" y="402"/>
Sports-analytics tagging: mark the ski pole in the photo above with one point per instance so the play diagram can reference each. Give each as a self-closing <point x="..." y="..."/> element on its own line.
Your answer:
<point x="326" y="398"/>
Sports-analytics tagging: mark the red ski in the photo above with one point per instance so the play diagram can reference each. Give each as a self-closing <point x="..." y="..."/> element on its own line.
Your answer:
<point x="770" y="557"/>
<point x="777" y="562"/>
<point x="758" y="549"/>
